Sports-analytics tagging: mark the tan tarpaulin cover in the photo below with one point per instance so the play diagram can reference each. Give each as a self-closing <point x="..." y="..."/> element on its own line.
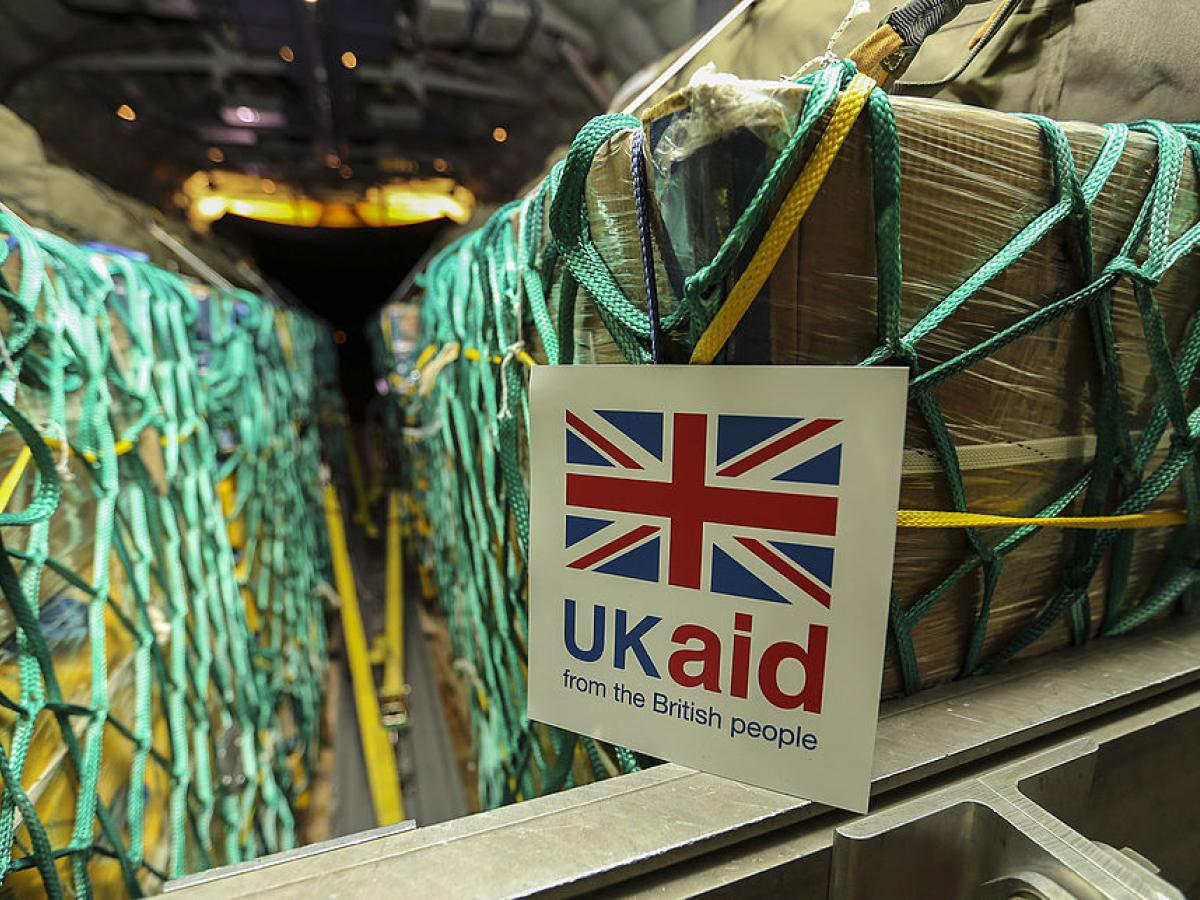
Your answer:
<point x="1088" y="60"/>
<point x="80" y="208"/>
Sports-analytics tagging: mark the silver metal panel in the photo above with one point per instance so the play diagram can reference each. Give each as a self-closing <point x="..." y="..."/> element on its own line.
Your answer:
<point x="214" y="878"/>
<point x="989" y="837"/>
<point x="433" y="789"/>
<point x="627" y="828"/>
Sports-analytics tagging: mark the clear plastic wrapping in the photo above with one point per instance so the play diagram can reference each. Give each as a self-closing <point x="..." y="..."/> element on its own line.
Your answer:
<point x="1023" y="419"/>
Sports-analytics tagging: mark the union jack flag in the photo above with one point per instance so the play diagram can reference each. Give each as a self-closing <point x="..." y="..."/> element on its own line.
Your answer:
<point x="745" y="504"/>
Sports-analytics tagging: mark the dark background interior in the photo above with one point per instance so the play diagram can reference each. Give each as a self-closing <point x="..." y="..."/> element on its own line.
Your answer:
<point x="342" y="275"/>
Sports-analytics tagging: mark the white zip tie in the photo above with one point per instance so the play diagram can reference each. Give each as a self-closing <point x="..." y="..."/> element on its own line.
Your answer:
<point x="59" y="434"/>
<point x="829" y="57"/>
<point x="509" y="355"/>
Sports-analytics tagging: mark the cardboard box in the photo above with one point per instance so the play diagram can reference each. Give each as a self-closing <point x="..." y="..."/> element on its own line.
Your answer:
<point x="1024" y="419"/>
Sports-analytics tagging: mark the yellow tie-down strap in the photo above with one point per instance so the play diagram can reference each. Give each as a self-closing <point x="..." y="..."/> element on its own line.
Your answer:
<point x="926" y="518"/>
<point x="433" y="359"/>
<point x="786" y="221"/>
<point x="12" y="478"/>
<point x="379" y="756"/>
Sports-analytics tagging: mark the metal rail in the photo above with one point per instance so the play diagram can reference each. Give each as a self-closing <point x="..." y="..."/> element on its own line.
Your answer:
<point x="681" y="832"/>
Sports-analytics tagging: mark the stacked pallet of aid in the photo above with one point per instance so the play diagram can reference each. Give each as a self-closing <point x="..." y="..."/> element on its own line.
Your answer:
<point x="1036" y="279"/>
<point x="162" y="654"/>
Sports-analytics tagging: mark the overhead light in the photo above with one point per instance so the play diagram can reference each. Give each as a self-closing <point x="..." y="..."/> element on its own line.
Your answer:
<point x="215" y="193"/>
<point x="440" y="165"/>
<point x="349" y="60"/>
<point x="499" y="134"/>
<point x="332" y="160"/>
<point x="212" y="207"/>
<point x="244" y="114"/>
<point x="345" y="171"/>
<point x="338" y="215"/>
<point x="216" y="154"/>
<point x="313" y="2"/>
<point x="287" y="54"/>
<point x="302" y="211"/>
<point x="125" y="111"/>
<point x="410" y="202"/>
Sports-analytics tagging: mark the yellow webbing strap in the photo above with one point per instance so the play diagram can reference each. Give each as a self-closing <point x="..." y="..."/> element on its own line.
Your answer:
<point x="13" y="478"/>
<point x="877" y="56"/>
<point x="393" y="629"/>
<point x="1003" y="10"/>
<point x="476" y="355"/>
<point x="786" y="221"/>
<point x="433" y="360"/>
<point x="284" y="333"/>
<point x="426" y="355"/>
<point x="385" y="326"/>
<point x="383" y="777"/>
<point x="924" y="518"/>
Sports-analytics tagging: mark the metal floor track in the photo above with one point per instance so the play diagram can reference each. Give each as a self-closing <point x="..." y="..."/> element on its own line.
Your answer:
<point x="430" y="781"/>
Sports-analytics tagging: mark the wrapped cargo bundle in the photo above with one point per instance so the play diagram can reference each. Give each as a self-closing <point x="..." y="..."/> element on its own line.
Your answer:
<point x="1037" y="279"/>
<point x="162" y="637"/>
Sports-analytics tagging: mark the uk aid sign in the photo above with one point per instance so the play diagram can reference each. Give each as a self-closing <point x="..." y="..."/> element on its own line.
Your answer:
<point x="711" y="556"/>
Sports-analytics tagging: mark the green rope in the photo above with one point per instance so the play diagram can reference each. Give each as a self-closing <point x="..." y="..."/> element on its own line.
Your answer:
<point x="110" y="356"/>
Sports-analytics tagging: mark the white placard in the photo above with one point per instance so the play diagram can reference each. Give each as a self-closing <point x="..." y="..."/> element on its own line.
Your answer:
<point x="711" y="556"/>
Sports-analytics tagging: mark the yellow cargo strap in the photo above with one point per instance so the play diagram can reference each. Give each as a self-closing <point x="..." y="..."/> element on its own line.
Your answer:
<point x="393" y="694"/>
<point x="786" y="221"/>
<point x="13" y="478"/>
<point x="882" y="55"/>
<point x="497" y="359"/>
<point x="433" y="359"/>
<point x="383" y="778"/>
<point x="426" y="355"/>
<point x="991" y="25"/>
<point x="923" y="518"/>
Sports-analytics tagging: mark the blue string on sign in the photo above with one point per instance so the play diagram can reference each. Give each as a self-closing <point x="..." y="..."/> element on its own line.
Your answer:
<point x="641" y="200"/>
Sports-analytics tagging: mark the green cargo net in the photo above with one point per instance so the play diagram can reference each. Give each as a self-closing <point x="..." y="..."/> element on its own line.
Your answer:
<point x="535" y="272"/>
<point x="161" y="559"/>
